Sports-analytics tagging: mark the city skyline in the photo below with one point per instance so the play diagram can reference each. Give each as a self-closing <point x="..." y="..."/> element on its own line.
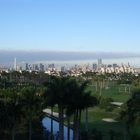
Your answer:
<point x="91" y="25"/>
<point x="71" y="69"/>
<point x="63" y="56"/>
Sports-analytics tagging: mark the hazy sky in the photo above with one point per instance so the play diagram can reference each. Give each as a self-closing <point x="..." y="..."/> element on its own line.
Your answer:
<point x="70" y="25"/>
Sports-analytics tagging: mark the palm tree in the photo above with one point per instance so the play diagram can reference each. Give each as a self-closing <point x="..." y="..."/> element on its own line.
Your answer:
<point x="4" y="113"/>
<point x="68" y="126"/>
<point x="13" y="110"/>
<point x="130" y="112"/>
<point x="79" y="100"/>
<point x="95" y="81"/>
<point x="32" y="105"/>
<point x="101" y="80"/>
<point x="71" y="95"/>
<point x="49" y="102"/>
<point x="56" y="95"/>
<point x="136" y="81"/>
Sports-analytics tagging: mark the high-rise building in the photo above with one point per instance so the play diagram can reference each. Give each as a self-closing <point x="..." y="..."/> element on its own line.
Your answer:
<point x="35" y="67"/>
<point x="15" y="64"/>
<point x="94" y="67"/>
<point x="63" y="69"/>
<point x="41" y="67"/>
<point x="115" y="65"/>
<point x="99" y="63"/>
<point x="24" y="66"/>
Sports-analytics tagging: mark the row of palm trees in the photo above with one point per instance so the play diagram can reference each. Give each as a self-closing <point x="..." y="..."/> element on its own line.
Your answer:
<point x="71" y="98"/>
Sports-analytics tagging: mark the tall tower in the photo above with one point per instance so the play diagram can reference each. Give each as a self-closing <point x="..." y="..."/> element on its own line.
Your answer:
<point x="99" y="63"/>
<point x="15" y="64"/>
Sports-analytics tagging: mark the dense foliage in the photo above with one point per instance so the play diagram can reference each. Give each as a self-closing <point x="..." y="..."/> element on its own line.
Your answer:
<point x="24" y="95"/>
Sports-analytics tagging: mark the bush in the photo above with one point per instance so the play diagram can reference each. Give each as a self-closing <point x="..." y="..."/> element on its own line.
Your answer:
<point x="135" y="137"/>
<point x="104" y="103"/>
<point x="92" y="135"/>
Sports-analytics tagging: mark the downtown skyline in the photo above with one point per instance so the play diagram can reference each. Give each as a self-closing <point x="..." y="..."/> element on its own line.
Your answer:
<point x="62" y="57"/>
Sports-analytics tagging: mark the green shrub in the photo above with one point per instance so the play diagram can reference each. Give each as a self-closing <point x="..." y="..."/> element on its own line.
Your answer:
<point x="104" y="103"/>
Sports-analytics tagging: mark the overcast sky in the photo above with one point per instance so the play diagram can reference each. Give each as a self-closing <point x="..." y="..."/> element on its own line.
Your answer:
<point x="70" y="25"/>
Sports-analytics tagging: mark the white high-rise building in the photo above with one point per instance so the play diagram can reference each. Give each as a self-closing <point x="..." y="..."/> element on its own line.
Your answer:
<point x="15" y="64"/>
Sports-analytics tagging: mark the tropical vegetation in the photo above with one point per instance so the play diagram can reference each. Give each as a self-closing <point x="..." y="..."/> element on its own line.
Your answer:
<point x="81" y="102"/>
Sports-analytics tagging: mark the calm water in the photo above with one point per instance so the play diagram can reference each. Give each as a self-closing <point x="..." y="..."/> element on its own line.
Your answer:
<point x="47" y="124"/>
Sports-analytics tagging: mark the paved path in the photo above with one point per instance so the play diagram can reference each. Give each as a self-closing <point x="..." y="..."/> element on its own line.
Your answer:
<point x="116" y="103"/>
<point x="109" y="120"/>
<point x="55" y="114"/>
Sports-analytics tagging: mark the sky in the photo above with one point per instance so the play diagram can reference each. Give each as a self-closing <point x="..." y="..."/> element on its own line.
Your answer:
<point x="70" y="25"/>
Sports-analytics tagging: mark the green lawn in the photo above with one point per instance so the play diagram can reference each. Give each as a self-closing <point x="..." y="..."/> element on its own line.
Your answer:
<point x="96" y="114"/>
<point x="114" y="91"/>
<point x="95" y="122"/>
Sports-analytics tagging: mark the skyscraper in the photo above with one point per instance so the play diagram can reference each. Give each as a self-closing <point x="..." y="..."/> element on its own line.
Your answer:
<point x="15" y="64"/>
<point x="94" y="67"/>
<point x="99" y="63"/>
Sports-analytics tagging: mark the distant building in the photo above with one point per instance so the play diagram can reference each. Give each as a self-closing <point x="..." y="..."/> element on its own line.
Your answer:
<point x="41" y="67"/>
<point x="109" y="66"/>
<point x="63" y="69"/>
<point x="99" y="63"/>
<point x="115" y="65"/>
<point x="35" y="67"/>
<point x="15" y="64"/>
<point x="24" y="66"/>
<point x="94" y="67"/>
<point x="52" y="66"/>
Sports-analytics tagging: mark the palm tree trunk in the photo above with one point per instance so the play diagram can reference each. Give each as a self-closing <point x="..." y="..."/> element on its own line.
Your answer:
<point x="51" y="123"/>
<point x="61" y="127"/>
<point x="13" y="132"/>
<point x="86" y="119"/>
<point x="79" y="123"/>
<point x="76" y="125"/>
<point x="125" y="88"/>
<point x="96" y="86"/>
<point x="68" y="128"/>
<point x="100" y="89"/>
<point x="129" y="89"/>
<point x="125" y="133"/>
<point x="74" y="120"/>
<point x="30" y="130"/>
<point x="107" y="84"/>
<point x="102" y="84"/>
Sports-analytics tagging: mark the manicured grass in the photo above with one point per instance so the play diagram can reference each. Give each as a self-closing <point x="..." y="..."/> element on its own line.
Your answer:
<point x="105" y="129"/>
<point x="96" y="114"/>
<point x="114" y="91"/>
